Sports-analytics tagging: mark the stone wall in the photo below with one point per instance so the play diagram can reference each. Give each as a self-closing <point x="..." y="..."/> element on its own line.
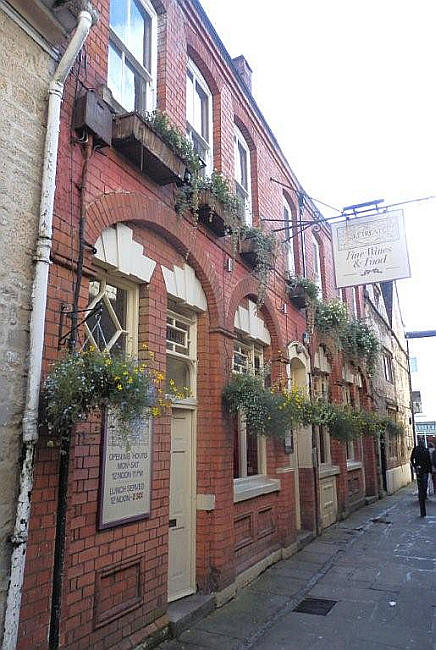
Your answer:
<point x="24" y="76"/>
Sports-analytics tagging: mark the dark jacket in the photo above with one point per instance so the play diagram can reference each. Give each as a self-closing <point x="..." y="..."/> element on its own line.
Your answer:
<point x="420" y="459"/>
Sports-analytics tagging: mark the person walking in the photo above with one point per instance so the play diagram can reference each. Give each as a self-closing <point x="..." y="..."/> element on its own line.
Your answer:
<point x="421" y="463"/>
<point x="432" y="451"/>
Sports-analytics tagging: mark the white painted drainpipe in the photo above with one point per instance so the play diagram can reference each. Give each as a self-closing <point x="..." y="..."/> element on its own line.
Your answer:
<point x="37" y="321"/>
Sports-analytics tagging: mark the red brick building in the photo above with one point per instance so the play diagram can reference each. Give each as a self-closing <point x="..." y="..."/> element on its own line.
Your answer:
<point x="223" y="505"/>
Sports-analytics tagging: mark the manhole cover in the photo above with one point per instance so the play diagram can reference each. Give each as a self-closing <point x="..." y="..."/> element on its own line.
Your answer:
<point x="318" y="606"/>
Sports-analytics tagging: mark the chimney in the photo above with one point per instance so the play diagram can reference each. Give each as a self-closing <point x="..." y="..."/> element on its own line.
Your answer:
<point x="243" y="70"/>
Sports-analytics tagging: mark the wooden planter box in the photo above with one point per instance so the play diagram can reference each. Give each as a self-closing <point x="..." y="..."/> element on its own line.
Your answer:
<point x="133" y="137"/>
<point x="298" y="297"/>
<point x="247" y="250"/>
<point x="211" y="213"/>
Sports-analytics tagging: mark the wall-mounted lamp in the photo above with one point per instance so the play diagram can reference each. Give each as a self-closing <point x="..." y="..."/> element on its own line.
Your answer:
<point x="305" y="338"/>
<point x="284" y="308"/>
<point x="229" y="264"/>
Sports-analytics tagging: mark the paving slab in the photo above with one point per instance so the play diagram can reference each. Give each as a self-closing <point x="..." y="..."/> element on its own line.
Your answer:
<point x="380" y="567"/>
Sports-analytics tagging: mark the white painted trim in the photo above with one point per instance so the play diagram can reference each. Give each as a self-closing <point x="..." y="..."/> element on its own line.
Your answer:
<point x="328" y="470"/>
<point x="249" y="322"/>
<point x="253" y="486"/>
<point x="183" y="285"/>
<point x="239" y="138"/>
<point x="353" y="464"/>
<point x="117" y="251"/>
<point x="198" y="77"/>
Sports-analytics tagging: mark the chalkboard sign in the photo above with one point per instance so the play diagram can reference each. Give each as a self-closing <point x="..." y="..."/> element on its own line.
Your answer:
<point x="125" y="471"/>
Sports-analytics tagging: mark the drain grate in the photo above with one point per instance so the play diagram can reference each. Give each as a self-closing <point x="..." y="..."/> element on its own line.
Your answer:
<point x="318" y="606"/>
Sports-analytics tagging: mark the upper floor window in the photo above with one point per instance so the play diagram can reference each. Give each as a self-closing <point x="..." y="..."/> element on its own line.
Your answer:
<point x="287" y="218"/>
<point x="317" y="266"/>
<point x="387" y="366"/>
<point x="413" y="364"/>
<point x="132" y="54"/>
<point x="199" y="115"/>
<point x="243" y="174"/>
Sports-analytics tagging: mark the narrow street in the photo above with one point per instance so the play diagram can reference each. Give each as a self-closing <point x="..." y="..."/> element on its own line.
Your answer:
<point x="379" y="569"/>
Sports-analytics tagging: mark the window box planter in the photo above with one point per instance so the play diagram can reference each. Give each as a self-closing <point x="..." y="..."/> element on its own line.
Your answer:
<point x="135" y="139"/>
<point x="298" y="297"/>
<point x="211" y="213"/>
<point x="248" y="252"/>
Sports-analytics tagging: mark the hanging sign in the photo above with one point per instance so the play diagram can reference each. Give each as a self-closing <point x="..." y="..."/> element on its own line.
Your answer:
<point x="370" y="249"/>
<point x="125" y="471"/>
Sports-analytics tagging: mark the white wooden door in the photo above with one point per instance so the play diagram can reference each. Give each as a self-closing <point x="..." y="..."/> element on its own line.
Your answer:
<point x="329" y="502"/>
<point x="181" y="552"/>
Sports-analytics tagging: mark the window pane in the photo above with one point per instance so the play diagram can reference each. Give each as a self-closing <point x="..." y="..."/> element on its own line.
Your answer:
<point x="103" y="325"/>
<point x="252" y="456"/>
<point x="128" y="88"/>
<point x="243" y="177"/>
<point x="202" y="105"/>
<point x="190" y="97"/>
<point x="178" y="371"/>
<point x="136" y="33"/>
<point x="115" y="73"/>
<point x="118" y="18"/>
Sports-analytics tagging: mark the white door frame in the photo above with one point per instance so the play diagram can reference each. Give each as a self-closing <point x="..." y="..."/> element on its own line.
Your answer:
<point x="182" y="405"/>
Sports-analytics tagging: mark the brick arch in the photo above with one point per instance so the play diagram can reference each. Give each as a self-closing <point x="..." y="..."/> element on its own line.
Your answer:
<point x="246" y="132"/>
<point x="204" y="63"/>
<point x="249" y="287"/>
<point x="117" y="207"/>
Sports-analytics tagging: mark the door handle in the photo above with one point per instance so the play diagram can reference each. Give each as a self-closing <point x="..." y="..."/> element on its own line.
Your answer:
<point x="172" y="523"/>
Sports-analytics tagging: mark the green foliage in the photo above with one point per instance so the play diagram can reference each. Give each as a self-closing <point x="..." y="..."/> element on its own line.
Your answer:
<point x="267" y="412"/>
<point x="308" y="287"/>
<point x="89" y="380"/>
<point x="359" y="340"/>
<point x="270" y="412"/>
<point x="218" y="187"/>
<point x="160" y="123"/>
<point x="264" y="245"/>
<point x="331" y="317"/>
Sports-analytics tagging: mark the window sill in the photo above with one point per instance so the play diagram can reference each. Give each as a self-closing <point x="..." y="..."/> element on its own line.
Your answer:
<point x="187" y="403"/>
<point x="254" y="486"/>
<point x="328" y="470"/>
<point x="353" y="464"/>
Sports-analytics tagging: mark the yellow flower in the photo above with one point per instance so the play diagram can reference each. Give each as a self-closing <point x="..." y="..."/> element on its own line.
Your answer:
<point x="144" y="346"/>
<point x="130" y="380"/>
<point x="91" y="348"/>
<point x="119" y="387"/>
<point x="155" y="411"/>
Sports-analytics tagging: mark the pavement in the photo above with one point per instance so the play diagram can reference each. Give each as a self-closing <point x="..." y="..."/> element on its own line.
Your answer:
<point x="379" y="568"/>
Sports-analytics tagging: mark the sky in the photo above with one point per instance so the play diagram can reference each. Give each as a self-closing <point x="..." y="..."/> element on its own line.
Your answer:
<point x="349" y="89"/>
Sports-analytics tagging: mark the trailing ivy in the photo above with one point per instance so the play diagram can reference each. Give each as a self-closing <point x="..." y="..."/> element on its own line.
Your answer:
<point x="331" y="317"/>
<point x="308" y="287"/>
<point x="267" y="412"/>
<point x="270" y="412"/>
<point x="264" y="247"/>
<point x="359" y="340"/>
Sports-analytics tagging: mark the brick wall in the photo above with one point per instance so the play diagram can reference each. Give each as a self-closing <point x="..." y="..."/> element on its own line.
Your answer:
<point x="131" y="560"/>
